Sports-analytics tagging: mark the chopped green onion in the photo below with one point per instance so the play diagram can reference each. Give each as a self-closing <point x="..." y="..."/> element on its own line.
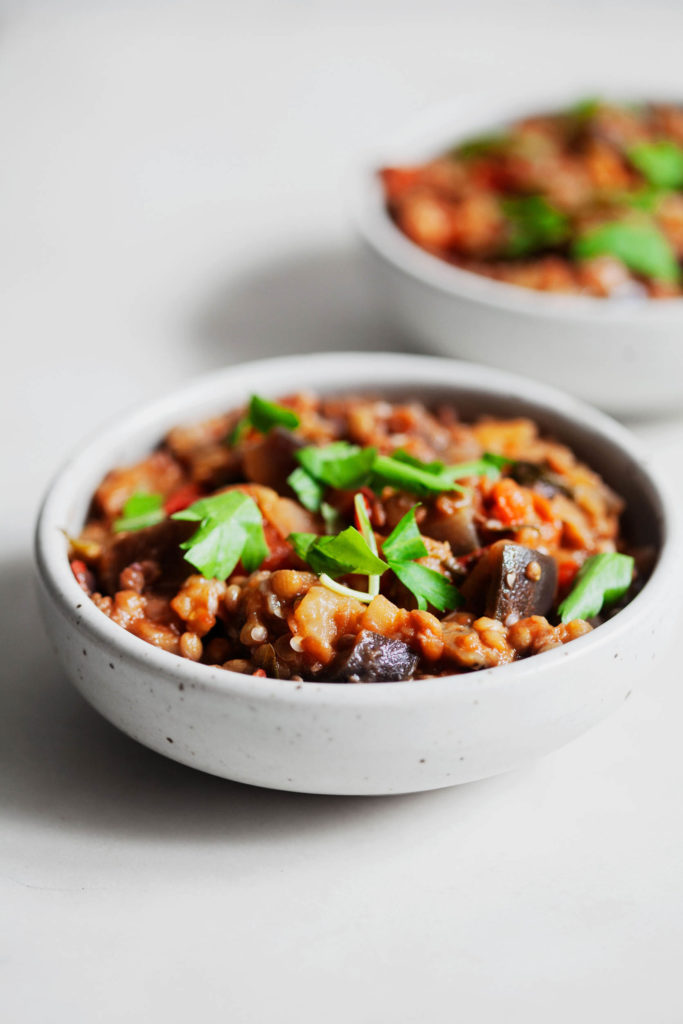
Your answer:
<point x="602" y="580"/>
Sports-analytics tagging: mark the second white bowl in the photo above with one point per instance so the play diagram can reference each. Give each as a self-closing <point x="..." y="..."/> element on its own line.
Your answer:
<point x="624" y="355"/>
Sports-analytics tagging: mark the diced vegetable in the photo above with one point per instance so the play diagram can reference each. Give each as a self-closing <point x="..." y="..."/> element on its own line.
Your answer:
<point x="375" y="659"/>
<point x="511" y="582"/>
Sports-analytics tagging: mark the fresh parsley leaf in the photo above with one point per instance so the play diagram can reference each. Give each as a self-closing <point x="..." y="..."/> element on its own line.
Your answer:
<point x="404" y="544"/>
<point x="307" y="489"/>
<point x="231" y="529"/>
<point x="405" y="541"/>
<point x="411" y="460"/>
<point x="263" y="415"/>
<point x="585" y="109"/>
<point x="660" y="162"/>
<point x="640" y="245"/>
<point x="415" y="478"/>
<point x="347" y="552"/>
<point x="238" y="431"/>
<point x="488" y="465"/>
<point x="646" y="198"/>
<point x="602" y="580"/>
<point x="428" y="586"/>
<point x="340" y="464"/>
<point x="483" y="145"/>
<point x="330" y="517"/>
<point x="140" y="510"/>
<point x="533" y="224"/>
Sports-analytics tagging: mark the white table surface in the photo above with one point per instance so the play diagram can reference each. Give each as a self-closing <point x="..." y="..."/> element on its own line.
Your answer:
<point x="170" y="202"/>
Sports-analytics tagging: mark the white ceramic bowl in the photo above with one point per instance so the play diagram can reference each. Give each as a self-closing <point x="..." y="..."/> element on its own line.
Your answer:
<point x="375" y="738"/>
<point x="625" y="355"/>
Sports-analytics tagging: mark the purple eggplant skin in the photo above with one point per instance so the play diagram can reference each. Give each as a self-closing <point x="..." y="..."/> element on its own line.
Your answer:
<point x="374" y="658"/>
<point x="457" y="527"/>
<point x="511" y="582"/>
<point x="539" y="478"/>
<point x="269" y="460"/>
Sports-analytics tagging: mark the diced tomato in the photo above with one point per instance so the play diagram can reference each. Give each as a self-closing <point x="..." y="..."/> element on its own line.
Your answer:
<point x="259" y="672"/>
<point x="281" y="555"/>
<point x="511" y="504"/>
<point x="567" y="568"/>
<point x="84" y="577"/>
<point x="180" y="499"/>
<point x="399" y="180"/>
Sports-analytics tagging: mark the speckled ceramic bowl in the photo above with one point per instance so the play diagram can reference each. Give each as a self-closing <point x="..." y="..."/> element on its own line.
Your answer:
<point x="375" y="738"/>
<point x="623" y="354"/>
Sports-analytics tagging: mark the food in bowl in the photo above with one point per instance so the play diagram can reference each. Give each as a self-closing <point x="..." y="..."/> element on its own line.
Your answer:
<point x="588" y="200"/>
<point x="356" y="539"/>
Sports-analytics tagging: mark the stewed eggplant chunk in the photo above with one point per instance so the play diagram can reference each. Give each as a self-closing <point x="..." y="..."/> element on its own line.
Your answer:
<point x="511" y="582"/>
<point x="375" y="658"/>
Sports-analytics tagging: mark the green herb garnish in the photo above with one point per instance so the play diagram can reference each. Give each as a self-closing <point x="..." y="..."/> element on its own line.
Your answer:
<point x="307" y="489"/>
<point x="602" y="580"/>
<point x="660" y="162"/>
<point x="421" y="479"/>
<point x="346" y="466"/>
<point x="345" y="553"/>
<point x="403" y="545"/>
<point x="533" y="225"/>
<point x="330" y="517"/>
<point x="640" y="246"/>
<point x="646" y="198"/>
<point x="231" y="529"/>
<point x="483" y="145"/>
<point x="585" y="109"/>
<point x="340" y="464"/>
<point x="352" y="552"/>
<point x="140" y="510"/>
<point x="263" y="415"/>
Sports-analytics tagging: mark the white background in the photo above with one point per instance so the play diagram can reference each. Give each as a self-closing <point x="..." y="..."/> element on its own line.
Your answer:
<point x="170" y="201"/>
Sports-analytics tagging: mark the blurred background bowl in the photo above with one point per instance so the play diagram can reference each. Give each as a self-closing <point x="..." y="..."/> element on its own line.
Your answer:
<point x="623" y="354"/>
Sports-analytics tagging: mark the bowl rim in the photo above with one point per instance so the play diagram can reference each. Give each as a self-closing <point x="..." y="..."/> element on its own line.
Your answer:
<point x="55" y="575"/>
<point x="432" y="131"/>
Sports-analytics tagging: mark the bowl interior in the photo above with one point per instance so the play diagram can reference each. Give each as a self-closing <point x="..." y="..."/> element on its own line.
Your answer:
<point x="473" y="391"/>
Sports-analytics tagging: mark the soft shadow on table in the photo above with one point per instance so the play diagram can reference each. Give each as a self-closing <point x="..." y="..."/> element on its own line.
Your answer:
<point x="64" y="766"/>
<point x="309" y="301"/>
